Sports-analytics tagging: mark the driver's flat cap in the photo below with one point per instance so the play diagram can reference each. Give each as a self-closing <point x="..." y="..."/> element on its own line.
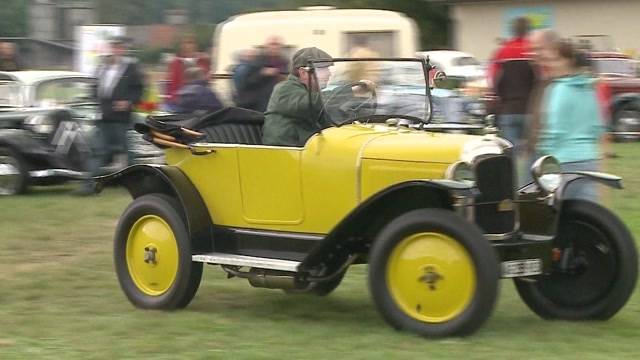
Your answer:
<point x="302" y="57"/>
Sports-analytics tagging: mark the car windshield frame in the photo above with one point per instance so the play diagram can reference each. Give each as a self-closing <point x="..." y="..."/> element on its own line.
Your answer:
<point x="428" y="104"/>
<point x="36" y="88"/>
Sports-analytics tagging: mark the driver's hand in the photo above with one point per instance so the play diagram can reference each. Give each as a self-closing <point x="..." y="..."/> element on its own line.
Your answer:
<point x="364" y="87"/>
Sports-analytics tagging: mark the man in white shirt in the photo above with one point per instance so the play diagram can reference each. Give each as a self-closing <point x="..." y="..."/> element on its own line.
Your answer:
<point x="118" y="89"/>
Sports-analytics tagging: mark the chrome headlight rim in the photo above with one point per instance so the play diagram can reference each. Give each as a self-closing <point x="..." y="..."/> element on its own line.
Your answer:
<point x="546" y="173"/>
<point x="461" y="171"/>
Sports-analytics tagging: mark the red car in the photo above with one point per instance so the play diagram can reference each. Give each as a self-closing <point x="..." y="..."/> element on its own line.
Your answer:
<point x="620" y="92"/>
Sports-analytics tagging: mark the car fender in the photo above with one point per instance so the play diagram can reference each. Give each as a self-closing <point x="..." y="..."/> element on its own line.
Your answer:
<point x="539" y="211"/>
<point x="18" y="139"/>
<point x="609" y="180"/>
<point x="146" y="179"/>
<point x="356" y="231"/>
<point x="569" y="177"/>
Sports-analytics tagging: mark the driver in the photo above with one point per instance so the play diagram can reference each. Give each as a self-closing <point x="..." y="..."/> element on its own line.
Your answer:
<point x="290" y="120"/>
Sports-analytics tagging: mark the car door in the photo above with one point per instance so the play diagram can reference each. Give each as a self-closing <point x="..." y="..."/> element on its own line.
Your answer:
<point x="270" y="184"/>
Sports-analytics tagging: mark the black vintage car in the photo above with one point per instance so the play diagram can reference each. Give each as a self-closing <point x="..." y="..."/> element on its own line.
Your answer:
<point x="47" y="122"/>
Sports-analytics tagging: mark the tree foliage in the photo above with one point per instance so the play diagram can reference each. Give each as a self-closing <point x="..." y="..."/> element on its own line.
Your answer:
<point x="13" y="18"/>
<point x="432" y="19"/>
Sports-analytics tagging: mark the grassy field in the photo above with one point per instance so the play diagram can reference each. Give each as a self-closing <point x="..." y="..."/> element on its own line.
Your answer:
<point x="59" y="298"/>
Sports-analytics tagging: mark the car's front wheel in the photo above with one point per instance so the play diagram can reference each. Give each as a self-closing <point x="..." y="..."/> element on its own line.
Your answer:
<point x="152" y="254"/>
<point x="596" y="272"/>
<point x="433" y="273"/>
<point x="13" y="172"/>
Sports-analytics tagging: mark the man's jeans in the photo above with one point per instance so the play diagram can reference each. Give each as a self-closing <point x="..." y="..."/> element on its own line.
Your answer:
<point x="512" y="127"/>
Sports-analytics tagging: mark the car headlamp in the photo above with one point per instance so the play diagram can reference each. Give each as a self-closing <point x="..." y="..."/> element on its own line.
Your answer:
<point x="461" y="171"/>
<point x="546" y="173"/>
<point x="40" y="124"/>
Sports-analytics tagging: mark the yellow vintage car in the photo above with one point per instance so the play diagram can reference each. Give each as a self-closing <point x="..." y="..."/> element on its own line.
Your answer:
<point x="436" y="216"/>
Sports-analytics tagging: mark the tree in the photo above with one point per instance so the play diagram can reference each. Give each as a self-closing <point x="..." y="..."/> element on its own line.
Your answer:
<point x="13" y="18"/>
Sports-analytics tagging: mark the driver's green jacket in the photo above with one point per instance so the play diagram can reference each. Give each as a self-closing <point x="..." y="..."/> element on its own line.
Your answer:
<point x="291" y="119"/>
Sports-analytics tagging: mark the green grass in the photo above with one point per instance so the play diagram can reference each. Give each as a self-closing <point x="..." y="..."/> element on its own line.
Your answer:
<point x="59" y="298"/>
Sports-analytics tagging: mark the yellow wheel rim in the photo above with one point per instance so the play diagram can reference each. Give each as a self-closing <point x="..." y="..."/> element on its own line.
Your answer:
<point x="431" y="277"/>
<point x="152" y="255"/>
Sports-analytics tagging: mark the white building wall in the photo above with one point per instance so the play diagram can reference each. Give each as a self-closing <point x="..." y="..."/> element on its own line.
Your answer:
<point x="478" y="25"/>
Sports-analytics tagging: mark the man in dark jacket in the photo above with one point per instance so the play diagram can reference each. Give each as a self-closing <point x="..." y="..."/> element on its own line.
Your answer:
<point x="513" y="78"/>
<point x="260" y="76"/>
<point x="196" y="95"/>
<point x="289" y="119"/>
<point x="119" y="88"/>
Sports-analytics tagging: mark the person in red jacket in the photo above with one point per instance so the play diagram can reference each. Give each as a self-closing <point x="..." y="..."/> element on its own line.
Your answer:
<point x="513" y="76"/>
<point x="186" y="58"/>
<point x="516" y="48"/>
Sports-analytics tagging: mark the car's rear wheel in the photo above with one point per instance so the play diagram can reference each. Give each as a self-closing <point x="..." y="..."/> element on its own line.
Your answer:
<point x="152" y="254"/>
<point x="14" y="175"/>
<point x="597" y="272"/>
<point x="432" y="273"/>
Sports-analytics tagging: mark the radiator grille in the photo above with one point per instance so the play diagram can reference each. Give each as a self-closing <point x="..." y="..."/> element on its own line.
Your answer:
<point x="495" y="181"/>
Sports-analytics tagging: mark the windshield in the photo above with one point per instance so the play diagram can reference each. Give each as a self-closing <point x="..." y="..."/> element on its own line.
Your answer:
<point x="9" y="94"/>
<point x="373" y="90"/>
<point x="64" y="91"/>
<point x="623" y="67"/>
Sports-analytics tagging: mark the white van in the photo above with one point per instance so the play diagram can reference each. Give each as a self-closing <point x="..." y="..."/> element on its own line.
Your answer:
<point x="335" y="31"/>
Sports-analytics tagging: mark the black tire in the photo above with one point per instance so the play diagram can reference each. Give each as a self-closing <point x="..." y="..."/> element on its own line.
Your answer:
<point x="603" y="271"/>
<point x="165" y="213"/>
<point x="626" y="119"/>
<point x="13" y="184"/>
<point x="318" y="288"/>
<point x="480" y="259"/>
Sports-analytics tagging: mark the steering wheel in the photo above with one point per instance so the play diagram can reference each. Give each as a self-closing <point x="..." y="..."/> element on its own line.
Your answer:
<point x="351" y="108"/>
<point x="355" y="104"/>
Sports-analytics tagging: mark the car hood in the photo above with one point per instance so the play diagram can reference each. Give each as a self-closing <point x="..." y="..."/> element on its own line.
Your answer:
<point x="401" y="144"/>
<point x="416" y="146"/>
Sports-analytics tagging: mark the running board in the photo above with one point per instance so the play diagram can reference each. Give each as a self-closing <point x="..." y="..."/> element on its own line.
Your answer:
<point x="249" y="261"/>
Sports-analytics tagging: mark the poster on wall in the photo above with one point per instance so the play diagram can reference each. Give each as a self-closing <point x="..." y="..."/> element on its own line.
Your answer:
<point x="540" y="17"/>
<point x="93" y="41"/>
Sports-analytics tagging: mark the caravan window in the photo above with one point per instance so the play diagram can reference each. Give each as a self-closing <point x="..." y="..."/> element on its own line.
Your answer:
<point x="380" y="42"/>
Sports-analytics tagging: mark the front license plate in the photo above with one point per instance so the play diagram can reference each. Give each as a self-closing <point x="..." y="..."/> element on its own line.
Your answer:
<point x="517" y="268"/>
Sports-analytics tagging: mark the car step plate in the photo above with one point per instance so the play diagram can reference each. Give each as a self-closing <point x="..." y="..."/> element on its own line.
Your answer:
<point x="518" y="268"/>
<point x="249" y="261"/>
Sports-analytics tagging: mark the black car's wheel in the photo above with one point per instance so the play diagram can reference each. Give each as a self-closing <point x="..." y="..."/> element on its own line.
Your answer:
<point x="433" y="273"/>
<point x="626" y="123"/>
<point x="596" y="273"/>
<point x="323" y="288"/>
<point x="152" y="254"/>
<point x="14" y="176"/>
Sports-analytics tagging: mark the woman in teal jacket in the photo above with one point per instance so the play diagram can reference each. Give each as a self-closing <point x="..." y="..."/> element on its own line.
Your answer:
<point x="572" y="122"/>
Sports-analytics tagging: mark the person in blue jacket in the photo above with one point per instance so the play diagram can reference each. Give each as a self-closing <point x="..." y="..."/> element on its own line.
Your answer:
<point x="196" y="95"/>
<point x="572" y="124"/>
